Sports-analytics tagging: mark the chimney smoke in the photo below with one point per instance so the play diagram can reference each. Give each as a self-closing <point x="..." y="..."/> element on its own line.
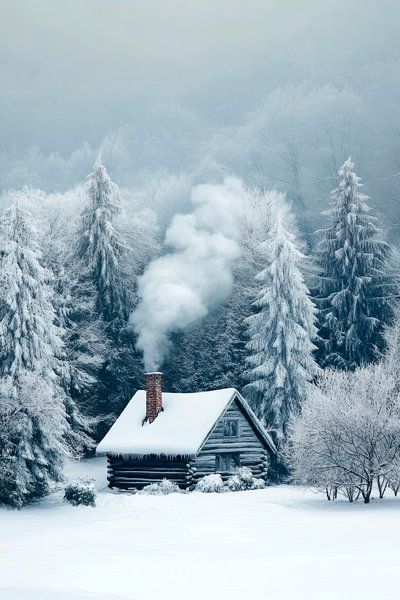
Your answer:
<point x="153" y="395"/>
<point x="182" y="286"/>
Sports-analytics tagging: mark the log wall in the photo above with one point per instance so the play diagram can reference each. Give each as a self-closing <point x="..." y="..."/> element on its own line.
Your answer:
<point x="247" y="444"/>
<point x="128" y="473"/>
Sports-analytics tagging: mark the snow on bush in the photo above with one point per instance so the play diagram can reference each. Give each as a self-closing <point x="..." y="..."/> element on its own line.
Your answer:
<point x="161" y="488"/>
<point x="234" y="483"/>
<point x="243" y="479"/>
<point x="347" y="435"/>
<point x="246" y="477"/>
<point x="258" y="484"/>
<point x="210" y="483"/>
<point x="81" y="492"/>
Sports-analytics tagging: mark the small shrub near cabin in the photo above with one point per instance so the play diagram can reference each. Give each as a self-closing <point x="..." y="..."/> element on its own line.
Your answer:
<point x="82" y="492"/>
<point x="243" y="479"/>
<point x="161" y="488"/>
<point x="258" y="484"/>
<point x="210" y="483"/>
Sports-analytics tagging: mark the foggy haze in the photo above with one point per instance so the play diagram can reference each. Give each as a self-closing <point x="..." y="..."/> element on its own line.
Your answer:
<point x="72" y="70"/>
<point x="176" y="93"/>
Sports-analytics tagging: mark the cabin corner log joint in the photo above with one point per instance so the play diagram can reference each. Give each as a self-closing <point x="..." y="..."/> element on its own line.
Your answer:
<point x="183" y="437"/>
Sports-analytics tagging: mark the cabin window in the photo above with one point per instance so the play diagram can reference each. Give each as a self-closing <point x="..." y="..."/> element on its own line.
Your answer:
<point x="231" y="427"/>
<point x="227" y="462"/>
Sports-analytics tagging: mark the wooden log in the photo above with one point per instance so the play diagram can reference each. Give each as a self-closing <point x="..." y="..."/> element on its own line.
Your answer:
<point x="250" y="443"/>
<point x="140" y="474"/>
<point x="133" y="482"/>
<point x="244" y="435"/>
<point x="146" y="469"/>
<point x="134" y="488"/>
<point x="142" y="480"/>
<point x="153" y="465"/>
<point x="148" y="475"/>
<point x="156" y="472"/>
<point x="245" y="446"/>
<point x="200" y="474"/>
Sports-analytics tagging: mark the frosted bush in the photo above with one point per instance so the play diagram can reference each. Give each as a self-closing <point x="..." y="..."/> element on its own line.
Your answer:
<point x="234" y="483"/>
<point x="81" y="492"/>
<point x="243" y="479"/>
<point x="246" y="477"/>
<point x="161" y="488"/>
<point x="210" y="483"/>
<point x="258" y="484"/>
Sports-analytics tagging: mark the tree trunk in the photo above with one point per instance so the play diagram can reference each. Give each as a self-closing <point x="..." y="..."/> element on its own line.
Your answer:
<point x="331" y="493"/>
<point x="367" y="493"/>
<point x="382" y="485"/>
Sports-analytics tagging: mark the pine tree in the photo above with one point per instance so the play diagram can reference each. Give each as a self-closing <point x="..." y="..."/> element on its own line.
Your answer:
<point x="36" y="433"/>
<point x="86" y="341"/>
<point x="355" y="289"/>
<point x="100" y="247"/>
<point x="83" y="352"/>
<point x="282" y="329"/>
<point x="101" y="297"/>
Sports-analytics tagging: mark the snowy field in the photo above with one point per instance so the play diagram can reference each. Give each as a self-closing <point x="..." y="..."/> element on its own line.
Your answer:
<point x="282" y="543"/>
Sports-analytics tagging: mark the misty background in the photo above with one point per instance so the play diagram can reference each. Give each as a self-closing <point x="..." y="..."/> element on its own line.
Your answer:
<point x="176" y="93"/>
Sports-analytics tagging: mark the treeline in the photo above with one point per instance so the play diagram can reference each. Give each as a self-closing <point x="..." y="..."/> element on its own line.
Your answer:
<point x="68" y="360"/>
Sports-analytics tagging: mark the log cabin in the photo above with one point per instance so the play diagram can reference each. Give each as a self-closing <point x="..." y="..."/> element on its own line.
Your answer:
<point x="182" y="437"/>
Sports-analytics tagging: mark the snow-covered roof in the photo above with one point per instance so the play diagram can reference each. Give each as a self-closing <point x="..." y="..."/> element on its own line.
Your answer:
<point x="180" y="429"/>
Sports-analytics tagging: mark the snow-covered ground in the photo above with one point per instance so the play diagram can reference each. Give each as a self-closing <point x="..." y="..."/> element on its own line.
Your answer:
<point x="281" y="543"/>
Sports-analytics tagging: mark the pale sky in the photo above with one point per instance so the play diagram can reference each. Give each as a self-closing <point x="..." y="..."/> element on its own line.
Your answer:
<point x="71" y="70"/>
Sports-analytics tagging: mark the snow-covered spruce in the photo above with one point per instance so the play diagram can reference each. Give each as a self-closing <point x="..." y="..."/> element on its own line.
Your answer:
<point x="355" y="290"/>
<point x="282" y="330"/>
<point x="100" y="246"/>
<point x="82" y="492"/>
<point x="35" y="432"/>
<point x="102" y="350"/>
<point x="162" y="488"/>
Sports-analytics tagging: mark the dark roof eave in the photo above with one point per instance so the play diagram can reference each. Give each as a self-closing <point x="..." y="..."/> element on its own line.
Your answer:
<point x="142" y="456"/>
<point x="256" y="423"/>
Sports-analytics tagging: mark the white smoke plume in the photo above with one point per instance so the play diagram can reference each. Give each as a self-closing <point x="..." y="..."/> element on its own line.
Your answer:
<point x="180" y="287"/>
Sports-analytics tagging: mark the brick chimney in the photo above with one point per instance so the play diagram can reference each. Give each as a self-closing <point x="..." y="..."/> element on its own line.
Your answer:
<point x="153" y="395"/>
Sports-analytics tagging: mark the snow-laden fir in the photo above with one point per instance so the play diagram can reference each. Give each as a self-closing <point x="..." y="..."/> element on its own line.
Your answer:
<point x="99" y="245"/>
<point x="282" y="330"/>
<point x="35" y="412"/>
<point x="99" y="340"/>
<point x="356" y="290"/>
